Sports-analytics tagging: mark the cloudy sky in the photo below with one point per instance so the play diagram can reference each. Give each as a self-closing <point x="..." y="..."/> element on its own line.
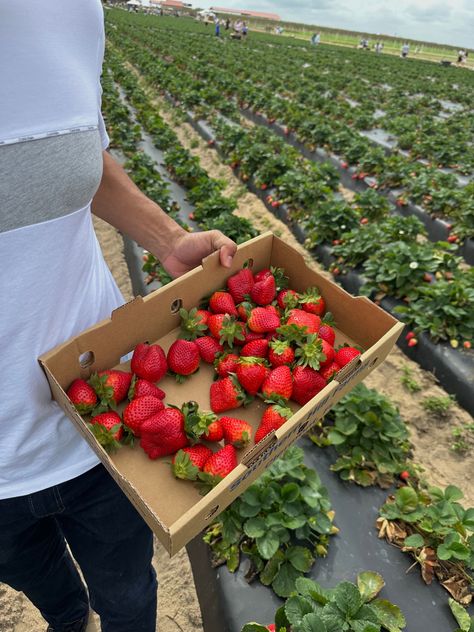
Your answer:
<point x="445" y="22"/>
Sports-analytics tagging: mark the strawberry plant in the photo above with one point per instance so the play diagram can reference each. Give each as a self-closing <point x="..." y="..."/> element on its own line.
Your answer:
<point x="369" y="436"/>
<point x="279" y="524"/>
<point x="347" y="606"/>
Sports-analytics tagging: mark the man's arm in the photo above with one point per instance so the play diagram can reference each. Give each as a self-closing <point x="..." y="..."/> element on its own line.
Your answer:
<point x="120" y="202"/>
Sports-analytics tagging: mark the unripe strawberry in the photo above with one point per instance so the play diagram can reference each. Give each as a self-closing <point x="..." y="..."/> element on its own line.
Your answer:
<point x="412" y="342"/>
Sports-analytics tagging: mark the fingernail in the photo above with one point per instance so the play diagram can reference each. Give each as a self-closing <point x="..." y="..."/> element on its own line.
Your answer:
<point x="228" y="261"/>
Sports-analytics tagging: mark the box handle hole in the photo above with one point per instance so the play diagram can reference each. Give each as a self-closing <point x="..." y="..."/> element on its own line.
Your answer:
<point x="249" y="263"/>
<point x="176" y="305"/>
<point x="86" y="359"/>
<point x="374" y="361"/>
<point x="212" y="513"/>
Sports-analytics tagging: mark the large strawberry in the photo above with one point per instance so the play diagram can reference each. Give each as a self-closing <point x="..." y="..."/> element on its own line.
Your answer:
<point x="327" y="333"/>
<point x="287" y="299"/>
<point x="226" y="363"/>
<point x="187" y="462"/>
<point x="222" y="303"/>
<point x="215" y="431"/>
<point x="226" y="329"/>
<point x="183" y="358"/>
<point x="240" y="284"/>
<point x="302" y="319"/>
<point x="312" y="301"/>
<point x="163" y="433"/>
<point x="262" y="320"/>
<point x="139" y="410"/>
<point x="111" y="386"/>
<point x="226" y="394"/>
<point x="278" y="383"/>
<point x="273" y="418"/>
<point x="306" y="384"/>
<point x="218" y="466"/>
<point x="280" y="352"/>
<point x="140" y="388"/>
<point x="193" y="323"/>
<point x="236" y="431"/>
<point x="82" y="395"/>
<point x="149" y="362"/>
<point x="209" y="348"/>
<point x="345" y="354"/>
<point x="107" y="429"/>
<point x="251" y="373"/>
<point x="263" y="292"/>
<point x="255" y="348"/>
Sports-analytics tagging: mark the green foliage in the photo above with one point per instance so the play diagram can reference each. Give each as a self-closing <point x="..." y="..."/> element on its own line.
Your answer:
<point x="463" y="438"/>
<point x="438" y="406"/>
<point x="408" y="381"/>
<point x="280" y="523"/>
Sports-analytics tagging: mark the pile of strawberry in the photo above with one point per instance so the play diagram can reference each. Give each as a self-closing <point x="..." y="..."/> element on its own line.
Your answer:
<point x="263" y="339"/>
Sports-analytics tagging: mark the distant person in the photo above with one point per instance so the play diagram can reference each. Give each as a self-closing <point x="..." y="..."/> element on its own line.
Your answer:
<point x="218" y="28"/>
<point x="315" y="39"/>
<point x="461" y="56"/>
<point x="227" y="24"/>
<point x="405" y="50"/>
<point x="244" y="29"/>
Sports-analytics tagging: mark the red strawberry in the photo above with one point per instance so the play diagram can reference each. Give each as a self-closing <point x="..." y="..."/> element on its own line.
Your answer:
<point x="107" y="429"/>
<point x="306" y="384"/>
<point x="236" y="431"/>
<point x="240" y="284"/>
<point x="262" y="320"/>
<point x="225" y="394"/>
<point x="111" y="386"/>
<point x="183" y="357"/>
<point x="312" y="302"/>
<point x="263" y="274"/>
<point x="345" y="354"/>
<point x="263" y="292"/>
<point x="209" y="347"/>
<point x="221" y="462"/>
<point x="140" y="388"/>
<point x="280" y="353"/>
<point x="250" y="336"/>
<point x="287" y="299"/>
<point x="327" y="333"/>
<point x="193" y="323"/>
<point x="82" y="395"/>
<point x="215" y="431"/>
<point x="163" y="433"/>
<point x="222" y="303"/>
<point x="328" y="371"/>
<point x="226" y="329"/>
<point x="186" y="463"/>
<point x="273" y="418"/>
<point x="278" y="382"/>
<point x="329" y="352"/>
<point x="255" y="348"/>
<point x="226" y="364"/>
<point x="139" y="410"/>
<point x="243" y="311"/>
<point x="251" y="373"/>
<point x="215" y="324"/>
<point x="149" y="362"/>
<point x="271" y="627"/>
<point x="301" y="319"/>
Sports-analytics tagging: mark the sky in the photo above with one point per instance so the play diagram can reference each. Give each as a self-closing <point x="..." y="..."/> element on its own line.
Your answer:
<point x="442" y="21"/>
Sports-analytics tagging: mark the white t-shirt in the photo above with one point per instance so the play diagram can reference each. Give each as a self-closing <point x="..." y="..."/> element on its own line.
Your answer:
<point x="54" y="280"/>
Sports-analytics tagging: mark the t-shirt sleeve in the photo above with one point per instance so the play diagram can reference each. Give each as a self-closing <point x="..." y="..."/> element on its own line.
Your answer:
<point x="104" y="137"/>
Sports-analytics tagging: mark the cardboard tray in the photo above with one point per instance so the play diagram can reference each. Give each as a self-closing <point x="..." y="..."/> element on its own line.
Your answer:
<point x="173" y="508"/>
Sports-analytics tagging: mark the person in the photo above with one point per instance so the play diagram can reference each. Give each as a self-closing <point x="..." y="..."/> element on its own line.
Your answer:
<point x="244" y="29"/>
<point x="218" y="27"/>
<point x="227" y="24"/>
<point x="55" y="170"/>
<point x="405" y="50"/>
<point x="315" y="39"/>
<point x="461" y="56"/>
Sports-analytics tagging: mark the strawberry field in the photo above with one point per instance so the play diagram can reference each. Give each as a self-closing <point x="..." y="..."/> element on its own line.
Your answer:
<point x="369" y="163"/>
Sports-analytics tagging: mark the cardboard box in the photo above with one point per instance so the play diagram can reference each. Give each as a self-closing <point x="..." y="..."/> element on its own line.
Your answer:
<point x="173" y="508"/>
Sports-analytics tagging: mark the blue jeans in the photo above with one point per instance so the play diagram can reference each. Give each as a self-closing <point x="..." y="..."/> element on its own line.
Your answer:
<point x="111" y="543"/>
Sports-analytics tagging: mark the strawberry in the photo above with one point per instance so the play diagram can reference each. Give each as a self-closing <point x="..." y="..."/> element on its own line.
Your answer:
<point x="149" y="362"/>
<point x="222" y="303"/>
<point x="263" y="274"/>
<point x="82" y="395"/>
<point x="410" y="335"/>
<point x="214" y="323"/>
<point x="279" y="382"/>
<point x="273" y="418"/>
<point x="328" y="351"/>
<point x="287" y="299"/>
<point x="222" y="462"/>
<point x="328" y="371"/>
<point x="240" y="284"/>
<point x="187" y="462"/>
<point x="111" y="386"/>
<point x="139" y="410"/>
<point x="251" y="373"/>
<point x="263" y="292"/>
<point x="250" y="336"/>
<point x="107" y="429"/>
<point x="310" y="352"/>
<point x="226" y="329"/>
<point x="243" y="310"/>
<point x="404" y="475"/>
<point x="280" y="353"/>
<point x="196" y="421"/>
<point x="140" y="388"/>
<point x="215" y="431"/>
<point x="236" y="431"/>
<point x="163" y="433"/>
<point x="262" y="320"/>
<point x="208" y="347"/>
<point x="183" y="358"/>
<point x="412" y="342"/>
<point x="312" y="302"/>
<point x="255" y="348"/>
<point x="306" y="384"/>
<point x="301" y="319"/>
<point x="226" y="364"/>
<point x="225" y="394"/>
<point x="193" y="323"/>
<point x="271" y="627"/>
<point x="345" y="354"/>
<point x="327" y="333"/>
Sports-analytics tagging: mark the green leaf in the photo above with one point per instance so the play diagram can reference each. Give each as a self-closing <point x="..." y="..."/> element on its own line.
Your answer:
<point x="290" y="492"/>
<point x="271" y="568"/>
<point x="248" y="511"/>
<point x="336" y="438"/>
<point x="300" y="557"/>
<point x="389" y="615"/>
<point x="255" y="527"/>
<point x="309" y="588"/>
<point x="284" y="582"/>
<point x="295" y="609"/>
<point x="281" y="620"/>
<point x="312" y="623"/>
<point x="369" y="584"/>
<point x="254" y="627"/>
<point x="468" y="519"/>
<point x="416" y="541"/>
<point x="459" y="613"/>
<point x="453" y="493"/>
<point x="268" y="544"/>
<point x="251" y="496"/>
<point x="407" y="499"/>
<point x="347" y="598"/>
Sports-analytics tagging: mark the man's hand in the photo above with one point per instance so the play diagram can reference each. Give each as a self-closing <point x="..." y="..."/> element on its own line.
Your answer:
<point x="191" y="248"/>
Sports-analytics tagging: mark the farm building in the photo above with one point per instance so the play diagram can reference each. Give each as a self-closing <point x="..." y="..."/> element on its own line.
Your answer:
<point x="244" y="13"/>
